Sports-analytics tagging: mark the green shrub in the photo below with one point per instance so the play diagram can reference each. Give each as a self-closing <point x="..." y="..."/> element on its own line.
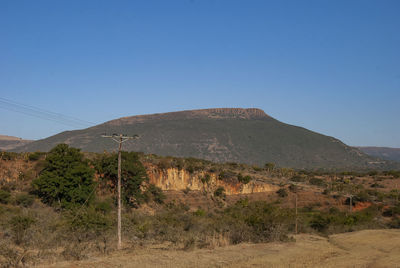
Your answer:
<point x="337" y="221"/>
<point x="4" y="197"/>
<point x="35" y="156"/>
<point x="165" y="163"/>
<point x="293" y="188"/>
<point x="24" y="200"/>
<point x="373" y="173"/>
<point x="200" y="212"/>
<point x="256" y="168"/>
<point x="377" y="185"/>
<point x="257" y="222"/>
<point x="317" y="182"/>
<point x="8" y="156"/>
<point x="19" y="227"/>
<point x="220" y="192"/>
<point x="244" y="179"/>
<point x="206" y="179"/>
<point x="392" y="211"/>
<point x="103" y="207"/>
<point x="298" y="178"/>
<point x="186" y="190"/>
<point x="157" y="194"/>
<point x="282" y="192"/>
<point x="269" y="166"/>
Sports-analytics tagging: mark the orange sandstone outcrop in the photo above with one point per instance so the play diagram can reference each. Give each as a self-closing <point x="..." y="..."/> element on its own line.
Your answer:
<point x="179" y="179"/>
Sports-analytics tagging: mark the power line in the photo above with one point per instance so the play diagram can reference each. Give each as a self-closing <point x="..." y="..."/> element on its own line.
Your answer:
<point x="43" y="114"/>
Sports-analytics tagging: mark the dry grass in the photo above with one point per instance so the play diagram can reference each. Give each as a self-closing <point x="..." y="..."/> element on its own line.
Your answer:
<point x="368" y="248"/>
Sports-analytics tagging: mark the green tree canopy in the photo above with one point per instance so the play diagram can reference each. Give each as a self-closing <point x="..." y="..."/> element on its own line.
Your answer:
<point x="66" y="180"/>
<point x="133" y="174"/>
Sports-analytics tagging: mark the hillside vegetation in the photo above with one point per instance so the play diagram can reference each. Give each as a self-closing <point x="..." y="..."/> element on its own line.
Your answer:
<point x="60" y="206"/>
<point x="220" y="135"/>
<point x="385" y="153"/>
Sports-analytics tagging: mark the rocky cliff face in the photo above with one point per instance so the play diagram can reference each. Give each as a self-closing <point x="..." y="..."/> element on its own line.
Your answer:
<point x="216" y="113"/>
<point x="179" y="179"/>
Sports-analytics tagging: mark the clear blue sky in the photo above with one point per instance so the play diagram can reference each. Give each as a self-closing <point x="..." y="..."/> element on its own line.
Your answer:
<point x="329" y="66"/>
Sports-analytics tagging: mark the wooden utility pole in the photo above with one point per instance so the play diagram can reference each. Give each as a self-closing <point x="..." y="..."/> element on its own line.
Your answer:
<point x="120" y="140"/>
<point x="296" y="211"/>
<point x="350" y="196"/>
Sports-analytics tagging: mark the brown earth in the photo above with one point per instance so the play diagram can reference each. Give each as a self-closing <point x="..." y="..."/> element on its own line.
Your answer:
<point x="368" y="248"/>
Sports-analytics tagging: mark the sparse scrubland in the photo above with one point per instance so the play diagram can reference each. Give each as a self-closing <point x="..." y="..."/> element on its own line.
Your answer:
<point x="60" y="206"/>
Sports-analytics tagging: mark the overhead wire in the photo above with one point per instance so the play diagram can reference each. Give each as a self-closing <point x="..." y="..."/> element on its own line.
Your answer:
<point x="43" y="114"/>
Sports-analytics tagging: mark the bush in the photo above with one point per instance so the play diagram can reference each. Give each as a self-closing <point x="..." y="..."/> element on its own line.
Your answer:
<point x="4" y="197"/>
<point x="7" y="156"/>
<point x="336" y="221"/>
<point x="206" y="179"/>
<point x="293" y="188"/>
<point x="186" y="190"/>
<point x="282" y="192"/>
<point x="377" y="185"/>
<point x="24" y="200"/>
<point x="269" y="166"/>
<point x="257" y="222"/>
<point x="165" y="163"/>
<point x="156" y="193"/>
<point x="220" y="192"/>
<point x="244" y="179"/>
<point x="317" y="182"/>
<point x="35" y="156"/>
<point x="88" y="221"/>
<point x="256" y="168"/>
<point x="19" y="227"/>
<point x="103" y="207"/>
<point x="298" y="178"/>
<point x="392" y="211"/>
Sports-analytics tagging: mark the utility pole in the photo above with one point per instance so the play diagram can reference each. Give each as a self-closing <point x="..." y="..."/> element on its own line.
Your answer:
<point x="296" y="211"/>
<point x="119" y="139"/>
<point x="350" y="196"/>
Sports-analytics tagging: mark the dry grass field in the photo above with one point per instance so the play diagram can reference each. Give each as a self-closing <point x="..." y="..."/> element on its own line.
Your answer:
<point x="368" y="248"/>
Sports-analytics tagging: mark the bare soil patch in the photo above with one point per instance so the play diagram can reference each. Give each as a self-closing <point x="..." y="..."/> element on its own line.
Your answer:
<point x="368" y="248"/>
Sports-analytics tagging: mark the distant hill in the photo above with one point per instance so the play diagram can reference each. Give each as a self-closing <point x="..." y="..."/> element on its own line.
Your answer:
<point x="9" y="142"/>
<point x="221" y="135"/>
<point x="385" y="153"/>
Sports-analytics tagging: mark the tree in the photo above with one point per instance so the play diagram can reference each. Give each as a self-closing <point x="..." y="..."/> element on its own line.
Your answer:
<point x="66" y="179"/>
<point x="133" y="174"/>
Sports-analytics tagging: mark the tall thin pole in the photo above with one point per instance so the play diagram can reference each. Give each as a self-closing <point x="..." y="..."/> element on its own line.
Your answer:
<point x="351" y="203"/>
<point x="119" y="192"/>
<point x="296" y="212"/>
<point x="122" y="138"/>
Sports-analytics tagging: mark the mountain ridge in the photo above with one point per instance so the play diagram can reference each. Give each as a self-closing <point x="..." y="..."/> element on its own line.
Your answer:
<point x="11" y="142"/>
<point x="385" y="153"/>
<point x="221" y="135"/>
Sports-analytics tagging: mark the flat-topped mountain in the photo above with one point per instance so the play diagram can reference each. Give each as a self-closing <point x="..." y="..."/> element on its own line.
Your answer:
<point x="221" y="135"/>
<point x="10" y="142"/>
